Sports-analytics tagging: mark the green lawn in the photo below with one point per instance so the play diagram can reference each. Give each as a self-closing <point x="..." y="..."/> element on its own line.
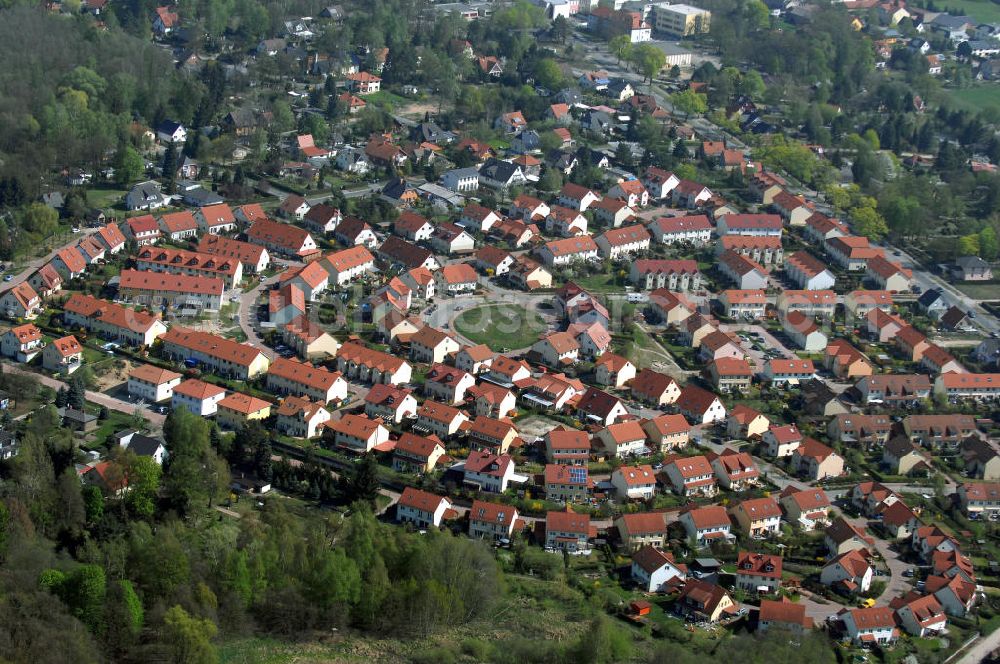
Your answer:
<point x="987" y="291"/>
<point x="500" y="326"/>
<point x="102" y="197"/>
<point x="977" y="97"/>
<point x="386" y="98"/>
<point x="983" y="11"/>
<point x="601" y="282"/>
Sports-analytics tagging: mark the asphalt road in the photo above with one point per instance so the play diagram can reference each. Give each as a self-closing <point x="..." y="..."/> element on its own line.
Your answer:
<point x="981" y="650"/>
<point x="36" y="263"/>
<point x="155" y="419"/>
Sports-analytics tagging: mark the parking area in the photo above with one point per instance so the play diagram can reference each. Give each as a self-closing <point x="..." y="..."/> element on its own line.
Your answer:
<point x="760" y="345"/>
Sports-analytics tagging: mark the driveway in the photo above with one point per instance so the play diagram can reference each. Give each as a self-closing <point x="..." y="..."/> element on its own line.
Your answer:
<point x="248" y="309"/>
<point x="896" y="583"/>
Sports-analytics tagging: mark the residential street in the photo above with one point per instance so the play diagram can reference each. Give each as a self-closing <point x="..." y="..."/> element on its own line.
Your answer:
<point x="155" y="419"/>
<point x="36" y="263"/>
<point x="981" y="649"/>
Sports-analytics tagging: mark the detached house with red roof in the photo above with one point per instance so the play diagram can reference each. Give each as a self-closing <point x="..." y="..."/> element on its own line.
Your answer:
<point x="747" y="423"/>
<point x="758" y="572"/>
<point x="357" y="433"/>
<point x="577" y="197"/>
<point x="783" y="614"/>
<point x="667" y="432"/>
<point x="757" y="517"/>
<point x="390" y="403"/>
<point x="870" y="626"/>
<point x="623" y="439"/>
<point x="46" y="280"/>
<point x="642" y="529"/>
<point x="631" y="192"/>
<point x="597" y="406"/>
<point x="655" y="570"/>
<point x="439" y="419"/>
<point x="197" y="396"/>
<point x="922" y="616"/>
<point x="613" y="369"/>
<point x="568" y="531"/>
<point x="63" y="356"/>
<point x="567" y="446"/>
<point x="22" y="342"/>
<point x="111" y="237"/>
<point x="705" y="525"/>
<point x="735" y="471"/>
<point x="567" y="483"/>
<point x="69" y="263"/>
<point x="301" y="418"/>
<point x="21" y="301"/>
<point x="421" y="508"/>
<point x="809" y="508"/>
<point x="653" y="387"/>
<point x="179" y="225"/>
<point x="416" y="454"/>
<point x="144" y="230"/>
<point x="456" y="279"/>
<point x="692" y="476"/>
<point x="816" y="461"/>
<point x="447" y="384"/>
<point x="849" y="573"/>
<point x="634" y="482"/>
<point x="216" y="219"/>
<point x="363" y="83"/>
<point x="492" y="521"/>
<point x="488" y="471"/>
<point x="700" y="406"/>
<point x="347" y="265"/>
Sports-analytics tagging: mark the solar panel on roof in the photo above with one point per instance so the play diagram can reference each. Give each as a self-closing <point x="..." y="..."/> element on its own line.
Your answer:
<point x="578" y="475"/>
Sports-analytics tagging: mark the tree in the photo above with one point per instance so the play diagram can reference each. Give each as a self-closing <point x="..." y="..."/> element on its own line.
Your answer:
<point x="143" y="475"/>
<point x="968" y="245"/>
<point x="76" y="396"/>
<point x="193" y="472"/>
<point x="989" y="246"/>
<point x="123" y="616"/>
<point x="189" y="639"/>
<point x="689" y="102"/>
<point x="649" y="60"/>
<point x="550" y="180"/>
<point x="364" y="483"/>
<point x="129" y="165"/>
<point x="561" y="29"/>
<point x="170" y="166"/>
<point x="868" y="222"/>
<point x="621" y="46"/>
<point x="548" y="74"/>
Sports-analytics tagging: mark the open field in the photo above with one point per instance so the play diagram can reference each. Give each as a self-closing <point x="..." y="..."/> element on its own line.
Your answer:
<point x="500" y="326"/>
<point x="976" y="98"/>
<point x="987" y="291"/>
<point x="983" y="11"/>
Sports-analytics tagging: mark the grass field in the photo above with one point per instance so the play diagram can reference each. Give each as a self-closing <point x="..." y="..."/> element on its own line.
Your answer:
<point x="976" y="98"/>
<point x="983" y="11"/>
<point x="500" y="326"/>
<point x="988" y="291"/>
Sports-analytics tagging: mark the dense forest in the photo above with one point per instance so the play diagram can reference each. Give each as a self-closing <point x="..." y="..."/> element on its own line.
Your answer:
<point x="154" y="573"/>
